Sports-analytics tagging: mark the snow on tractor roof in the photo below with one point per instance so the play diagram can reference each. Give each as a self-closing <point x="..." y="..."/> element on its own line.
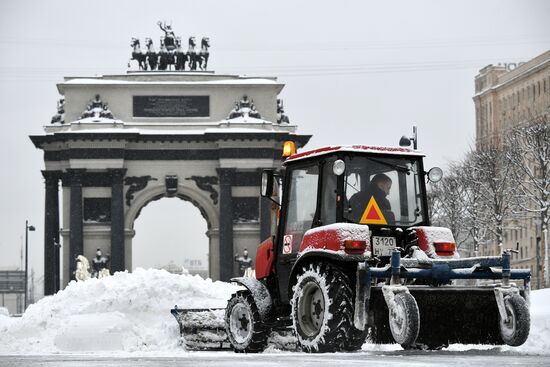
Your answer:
<point x="354" y="148"/>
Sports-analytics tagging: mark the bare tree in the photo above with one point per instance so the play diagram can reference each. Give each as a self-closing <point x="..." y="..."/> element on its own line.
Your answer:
<point x="530" y="156"/>
<point x="487" y="174"/>
<point x="446" y="205"/>
<point x="473" y="209"/>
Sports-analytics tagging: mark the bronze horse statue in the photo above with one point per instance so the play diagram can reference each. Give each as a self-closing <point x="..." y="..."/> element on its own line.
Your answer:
<point x="181" y="56"/>
<point x="166" y="58"/>
<point x="152" y="55"/>
<point x="203" y="54"/>
<point x="171" y="54"/>
<point x="192" y="54"/>
<point x="138" y="55"/>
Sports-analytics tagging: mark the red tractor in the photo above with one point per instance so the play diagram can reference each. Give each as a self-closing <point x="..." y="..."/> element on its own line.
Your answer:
<point x="353" y="256"/>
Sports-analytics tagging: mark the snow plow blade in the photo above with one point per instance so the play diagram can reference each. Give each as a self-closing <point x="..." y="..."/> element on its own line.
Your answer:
<point x="449" y="313"/>
<point x="202" y="329"/>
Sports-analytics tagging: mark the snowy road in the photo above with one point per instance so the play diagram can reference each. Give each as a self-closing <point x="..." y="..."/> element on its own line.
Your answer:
<point x="416" y="358"/>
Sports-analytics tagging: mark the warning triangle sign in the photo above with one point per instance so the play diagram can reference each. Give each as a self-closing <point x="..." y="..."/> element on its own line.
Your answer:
<point x="373" y="214"/>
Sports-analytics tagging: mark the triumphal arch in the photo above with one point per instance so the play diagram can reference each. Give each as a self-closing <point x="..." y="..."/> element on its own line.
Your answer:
<point x="119" y="142"/>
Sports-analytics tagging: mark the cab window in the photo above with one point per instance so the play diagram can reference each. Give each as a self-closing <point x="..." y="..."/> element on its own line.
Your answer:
<point x="302" y="203"/>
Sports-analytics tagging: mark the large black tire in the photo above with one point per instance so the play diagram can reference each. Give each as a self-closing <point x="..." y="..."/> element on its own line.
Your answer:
<point x="322" y="310"/>
<point x="243" y="325"/>
<point x="516" y="330"/>
<point x="356" y="339"/>
<point x="404" y="320"/>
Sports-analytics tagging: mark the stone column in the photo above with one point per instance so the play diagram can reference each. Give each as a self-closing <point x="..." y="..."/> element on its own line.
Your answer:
<point x="226" y="223"/>
<point x="76" y="238"/>
<point x="117" y="220"/>
<point x="51" y="232"/>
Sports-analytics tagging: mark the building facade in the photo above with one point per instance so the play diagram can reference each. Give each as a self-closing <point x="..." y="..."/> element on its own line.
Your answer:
<point x="507" y="97"/>
<point x="119" y="142"/>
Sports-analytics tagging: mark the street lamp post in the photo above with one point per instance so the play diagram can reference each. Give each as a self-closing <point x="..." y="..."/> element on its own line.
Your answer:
<point x="27" y="229"/>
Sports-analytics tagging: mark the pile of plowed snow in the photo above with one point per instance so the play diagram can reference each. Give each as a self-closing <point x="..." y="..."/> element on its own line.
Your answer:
<point x="539" y="337"/>
<point x="124" y="312"/>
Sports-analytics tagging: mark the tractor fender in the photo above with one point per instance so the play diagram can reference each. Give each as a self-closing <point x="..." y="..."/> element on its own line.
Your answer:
<point x="332" y="256"/>
<point x="261" y="296"/>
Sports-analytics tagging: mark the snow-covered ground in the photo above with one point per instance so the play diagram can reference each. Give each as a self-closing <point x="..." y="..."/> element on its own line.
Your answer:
<point x="129" y="314"/>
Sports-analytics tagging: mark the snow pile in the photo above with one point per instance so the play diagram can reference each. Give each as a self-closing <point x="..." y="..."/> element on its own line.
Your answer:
<point x="539" y="337"/>
<point x="124" y="312"/>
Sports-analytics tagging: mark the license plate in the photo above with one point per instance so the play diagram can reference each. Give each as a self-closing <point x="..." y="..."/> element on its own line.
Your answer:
<point x="383" y="246"/>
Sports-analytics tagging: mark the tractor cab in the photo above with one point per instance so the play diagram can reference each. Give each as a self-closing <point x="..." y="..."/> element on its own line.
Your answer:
<point x="384" y="188"/>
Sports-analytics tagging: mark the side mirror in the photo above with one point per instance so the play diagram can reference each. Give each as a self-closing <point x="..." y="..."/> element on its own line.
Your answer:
<point x="267" y="183"/>
<point x="435" y="174"/>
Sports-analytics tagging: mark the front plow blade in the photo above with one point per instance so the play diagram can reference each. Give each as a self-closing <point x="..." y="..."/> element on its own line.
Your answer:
<point x="202" y="329"/>
<point x="447" y="315"/>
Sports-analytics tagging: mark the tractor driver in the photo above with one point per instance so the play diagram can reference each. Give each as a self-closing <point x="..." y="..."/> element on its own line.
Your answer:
<point x="379" y="188"/>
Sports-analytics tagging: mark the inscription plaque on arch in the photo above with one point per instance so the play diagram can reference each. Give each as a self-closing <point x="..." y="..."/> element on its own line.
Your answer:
<point x="171" y="106"/>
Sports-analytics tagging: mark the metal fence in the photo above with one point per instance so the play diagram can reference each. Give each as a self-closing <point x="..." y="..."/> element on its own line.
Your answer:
<point x="12" y="281"/>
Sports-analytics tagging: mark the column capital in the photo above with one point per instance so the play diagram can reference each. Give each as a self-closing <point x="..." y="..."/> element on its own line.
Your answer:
<point x="226" y="174"/>
<point x="117" y="174"/>
<point x="75" y="175"/>
<point x="51" y="177"/>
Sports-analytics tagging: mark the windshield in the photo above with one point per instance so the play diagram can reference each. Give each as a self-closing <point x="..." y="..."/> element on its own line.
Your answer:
<point x="383" y="191"/>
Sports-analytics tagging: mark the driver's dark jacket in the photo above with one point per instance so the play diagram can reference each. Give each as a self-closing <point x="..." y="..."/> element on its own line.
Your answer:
<point x="359" y="201"/>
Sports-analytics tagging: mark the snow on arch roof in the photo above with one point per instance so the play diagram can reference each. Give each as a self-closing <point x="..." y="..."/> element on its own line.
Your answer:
<point x="354" y="148"/>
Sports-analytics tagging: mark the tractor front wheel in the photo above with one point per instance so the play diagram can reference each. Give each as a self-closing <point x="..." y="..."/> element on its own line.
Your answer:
<point x="243" y="325"/>
<point x="515" y="330"/>
<point x="404" y="319"/>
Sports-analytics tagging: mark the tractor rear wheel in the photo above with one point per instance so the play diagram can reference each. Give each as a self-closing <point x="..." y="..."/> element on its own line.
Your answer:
<point x="515" y="330"/>
<point x="404" y="320"/>
<point x="322" y="310"/>
<point x="243" y="325"/>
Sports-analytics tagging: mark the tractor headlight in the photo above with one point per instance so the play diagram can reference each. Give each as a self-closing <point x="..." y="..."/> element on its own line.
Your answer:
<point x="435" y="174"/>
<point x="338" y="167"/>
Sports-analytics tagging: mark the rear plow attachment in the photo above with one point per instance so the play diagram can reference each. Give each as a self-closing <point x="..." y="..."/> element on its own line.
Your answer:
<point x="202" y="329"/>
<point x="420" y="308"/>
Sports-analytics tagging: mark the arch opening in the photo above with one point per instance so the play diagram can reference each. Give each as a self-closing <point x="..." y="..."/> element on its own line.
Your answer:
<point x="171" y="233"/>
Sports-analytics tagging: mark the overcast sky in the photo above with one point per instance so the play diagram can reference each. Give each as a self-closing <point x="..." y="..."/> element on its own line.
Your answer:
<point x="355" y="72"/>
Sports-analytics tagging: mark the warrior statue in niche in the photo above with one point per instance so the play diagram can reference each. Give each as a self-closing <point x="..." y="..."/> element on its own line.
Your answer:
<point x="245" y="263"/>
<point x="100" y="265"/>
<point x="82" y="271"/>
